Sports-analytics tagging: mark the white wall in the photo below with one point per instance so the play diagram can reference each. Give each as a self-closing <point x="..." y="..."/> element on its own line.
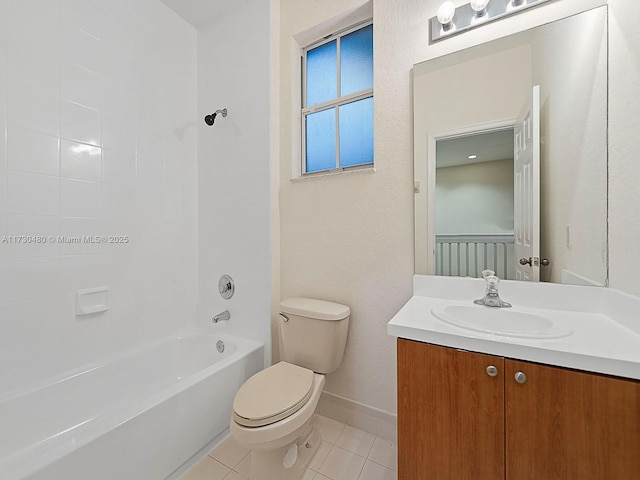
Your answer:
<point x="234" y="169"/>
<point x="573" y="183"/>
<point x="624" y="145"/>
<point x="349" y="238"/>
<point x="358" y="248"/>
<point x="475" y="198"/>
<point x="97" y="102"/>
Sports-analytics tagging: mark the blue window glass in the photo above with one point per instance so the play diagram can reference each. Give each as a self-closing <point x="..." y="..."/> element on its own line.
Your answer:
<point x="356" y="133"/>
<point x="322" y="71"/>
<point x="321" y="140"/>
<point x="356" y="61"/>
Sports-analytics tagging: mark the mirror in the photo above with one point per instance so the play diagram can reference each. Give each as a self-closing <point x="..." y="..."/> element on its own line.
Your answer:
<point x="471" y="100"/>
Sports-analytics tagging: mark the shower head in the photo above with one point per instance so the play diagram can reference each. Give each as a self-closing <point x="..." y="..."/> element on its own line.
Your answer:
<point x="210" y="119"/>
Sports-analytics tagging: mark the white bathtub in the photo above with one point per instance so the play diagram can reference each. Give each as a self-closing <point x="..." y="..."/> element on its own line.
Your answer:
<point x="141" y="415"/>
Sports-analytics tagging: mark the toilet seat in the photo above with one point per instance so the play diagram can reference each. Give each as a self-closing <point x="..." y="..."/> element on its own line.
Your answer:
<point x="273" y="394"/>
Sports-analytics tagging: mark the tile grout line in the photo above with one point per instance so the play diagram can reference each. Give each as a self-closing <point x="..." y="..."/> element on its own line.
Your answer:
<point x="378" y="463"/>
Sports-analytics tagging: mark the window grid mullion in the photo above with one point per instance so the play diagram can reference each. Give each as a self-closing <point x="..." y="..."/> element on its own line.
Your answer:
<point x="337" y="137"/>
<point x="338" y="90"/>
<point x="303" y="125"/>
<point x="303" y="74"/>
<point x="353" y="97"/>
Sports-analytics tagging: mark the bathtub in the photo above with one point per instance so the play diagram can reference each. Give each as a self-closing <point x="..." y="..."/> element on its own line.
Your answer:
<point x="143" y="415"/>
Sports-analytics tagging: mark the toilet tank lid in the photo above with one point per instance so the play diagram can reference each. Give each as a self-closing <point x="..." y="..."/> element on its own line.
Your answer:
<point x="313" y="308"/>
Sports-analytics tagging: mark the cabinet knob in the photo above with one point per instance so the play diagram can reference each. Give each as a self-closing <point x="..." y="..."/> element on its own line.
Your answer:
<point x="520" y="377"/>
<point x="492" y="371"/>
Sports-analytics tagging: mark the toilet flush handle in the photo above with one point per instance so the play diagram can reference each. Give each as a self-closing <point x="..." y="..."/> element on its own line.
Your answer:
<point x="284" y="317"/>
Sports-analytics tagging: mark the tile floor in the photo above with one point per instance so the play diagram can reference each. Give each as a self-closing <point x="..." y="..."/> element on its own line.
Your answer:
<point x="346" y="453"/>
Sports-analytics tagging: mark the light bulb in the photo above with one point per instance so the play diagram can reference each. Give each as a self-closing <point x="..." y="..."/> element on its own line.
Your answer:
<point x="445" y="13"/>
<point x="479" y="6"/>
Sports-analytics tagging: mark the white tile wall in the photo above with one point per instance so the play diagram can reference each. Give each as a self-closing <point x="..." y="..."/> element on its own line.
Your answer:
<point x="34" y="152"/>
<point x="233" y="157"/>
<point x="95" y="97"/>
<point x="80" y="161"/>
<point x="32" y="194"/>
<point x="80" y="123"/>
<point x="80" y="198"/>
<point x="80" y="86"/>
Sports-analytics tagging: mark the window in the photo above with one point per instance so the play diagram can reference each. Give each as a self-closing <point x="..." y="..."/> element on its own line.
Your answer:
<point x="337" y="101"/>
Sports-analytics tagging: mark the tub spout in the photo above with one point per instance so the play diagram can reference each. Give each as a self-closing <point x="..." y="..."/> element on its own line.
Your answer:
<point x="222" y="316"/>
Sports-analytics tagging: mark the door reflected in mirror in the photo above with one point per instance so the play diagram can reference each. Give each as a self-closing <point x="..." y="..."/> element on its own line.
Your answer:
<point x="482" y="91"/>
<point x="474" y="204"/>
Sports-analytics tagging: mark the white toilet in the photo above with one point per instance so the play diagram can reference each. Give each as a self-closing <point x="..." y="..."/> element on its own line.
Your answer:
<point x="272" y="411"/>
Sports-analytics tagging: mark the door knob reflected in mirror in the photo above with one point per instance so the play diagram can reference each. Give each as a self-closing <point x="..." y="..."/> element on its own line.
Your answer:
<point x="545" y="262"/>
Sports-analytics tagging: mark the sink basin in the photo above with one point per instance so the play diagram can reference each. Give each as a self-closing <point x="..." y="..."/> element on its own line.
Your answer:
<point x="506" y="322"/>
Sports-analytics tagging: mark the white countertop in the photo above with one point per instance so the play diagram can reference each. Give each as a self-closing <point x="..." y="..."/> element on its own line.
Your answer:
<point x="605" y="322"/>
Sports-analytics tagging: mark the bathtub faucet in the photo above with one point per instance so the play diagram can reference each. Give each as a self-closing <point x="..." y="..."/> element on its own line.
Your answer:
<point x="222" y="316"/>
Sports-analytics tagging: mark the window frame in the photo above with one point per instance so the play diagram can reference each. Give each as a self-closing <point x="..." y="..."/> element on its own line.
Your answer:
<point x="335" y="103"/>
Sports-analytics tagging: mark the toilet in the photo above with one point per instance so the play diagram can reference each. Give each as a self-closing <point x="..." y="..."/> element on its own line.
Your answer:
<point x="273" y="410"/>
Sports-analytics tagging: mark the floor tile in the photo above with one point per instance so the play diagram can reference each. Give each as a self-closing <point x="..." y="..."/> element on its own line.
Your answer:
<point x="387" y="431"/>
<point x="329" y="428"/>
<point x="309" y="475"/>
<point x="207" y="469"/>
<point x="320" y="455"/>
<point x="373" y="471"/>
<point x="244" y="467"/>
<point x="346" y="453"/>
<point x="235" y="476"/>
<point x="229" y="453"/>
<point x="341" y="465"/>
<point x="355" y="441"/>
<point x="384" y="453"/>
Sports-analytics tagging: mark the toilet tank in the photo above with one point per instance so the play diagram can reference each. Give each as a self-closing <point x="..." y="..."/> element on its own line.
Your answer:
<point x="313" y="333"/>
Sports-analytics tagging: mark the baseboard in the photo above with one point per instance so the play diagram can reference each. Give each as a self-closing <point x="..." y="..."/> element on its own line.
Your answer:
<point x="364" y="417"/>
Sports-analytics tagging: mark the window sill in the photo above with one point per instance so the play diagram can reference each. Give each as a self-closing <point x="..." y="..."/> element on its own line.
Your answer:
<point x="332" y="173"/>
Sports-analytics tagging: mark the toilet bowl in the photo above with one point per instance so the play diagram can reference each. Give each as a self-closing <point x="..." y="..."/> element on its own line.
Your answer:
<point x="273" y="411"/>
<point x="279" y="432"/>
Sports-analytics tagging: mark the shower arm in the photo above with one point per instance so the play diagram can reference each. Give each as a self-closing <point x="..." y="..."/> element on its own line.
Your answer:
<point x="210" y="119"/>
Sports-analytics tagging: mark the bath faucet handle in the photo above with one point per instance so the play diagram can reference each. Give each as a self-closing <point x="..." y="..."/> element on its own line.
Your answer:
<point x="221" y="317"/>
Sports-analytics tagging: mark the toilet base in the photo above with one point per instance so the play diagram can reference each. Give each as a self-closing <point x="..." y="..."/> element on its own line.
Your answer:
<point x="268" y="464"/>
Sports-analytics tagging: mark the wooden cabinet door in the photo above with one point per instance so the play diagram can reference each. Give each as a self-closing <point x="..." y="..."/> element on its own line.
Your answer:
<point x="568" y="425"/>
<point x="450" y="414"/>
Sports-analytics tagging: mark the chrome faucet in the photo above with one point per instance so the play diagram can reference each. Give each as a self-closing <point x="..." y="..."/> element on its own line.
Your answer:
<point x="491" y="297"/>
<point x="221" y="317"/>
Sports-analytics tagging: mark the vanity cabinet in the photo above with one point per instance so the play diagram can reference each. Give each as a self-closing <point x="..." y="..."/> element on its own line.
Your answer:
<point x="465" y="415"/>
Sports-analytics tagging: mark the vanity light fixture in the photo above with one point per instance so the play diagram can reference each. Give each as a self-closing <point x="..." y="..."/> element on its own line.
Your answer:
<point x="474" y="14"/>
<point x="446" y="12"/>
<point x="480" y="7"/>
